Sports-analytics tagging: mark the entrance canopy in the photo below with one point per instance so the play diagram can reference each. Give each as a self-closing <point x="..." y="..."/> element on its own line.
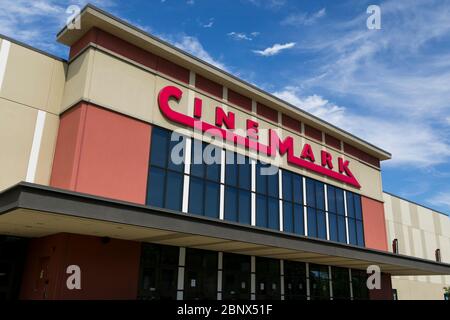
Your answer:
<point x="31" y="210"/>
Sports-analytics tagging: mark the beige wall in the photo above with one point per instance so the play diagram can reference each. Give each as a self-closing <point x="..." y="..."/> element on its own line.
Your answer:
<point x="126" y="87"/>
<point x="420" y="231"/>
<point x="30" y="100"/>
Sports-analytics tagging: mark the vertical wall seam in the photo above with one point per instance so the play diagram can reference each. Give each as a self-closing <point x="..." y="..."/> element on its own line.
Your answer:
<point x="36" y="146"/>
<point x="79" y="146"/>
<point x="4" y="54"/>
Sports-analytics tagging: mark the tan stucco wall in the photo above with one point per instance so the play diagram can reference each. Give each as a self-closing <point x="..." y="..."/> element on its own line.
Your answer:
<point x="420" y="231"/>
<point x="32" y="82"/>
<point x="129" y="88"/>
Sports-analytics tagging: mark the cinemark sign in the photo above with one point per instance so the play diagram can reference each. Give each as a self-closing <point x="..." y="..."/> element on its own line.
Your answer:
<point x="307" y="158"/>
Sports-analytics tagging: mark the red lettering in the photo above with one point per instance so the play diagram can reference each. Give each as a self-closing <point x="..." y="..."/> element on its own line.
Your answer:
<point x="285" y="146"/>
<point x="343" y="167"/>
<point x="326" y="159"/>
<point x="252" y="129"/>
<point x="198" y="108"/>
<point x="223" y="118"/>
<point x="307" y="153"/>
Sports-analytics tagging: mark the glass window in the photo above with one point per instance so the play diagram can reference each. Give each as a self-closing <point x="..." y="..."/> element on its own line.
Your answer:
<point x="288" y="216"/>
<point x="267" y="197"/>
<point x="312" y="222"/>
<point x="287" y="185"/>
<point x="333" y="227"/>
<point x="212" y="196"/>
<point x="200" y="275"/>
<point x="204" y="184"/>
<point x="299" y="220"/>
<point x="245" y="203"/>
<point x="359" y="285"/>
<point x="294" y="280"/>
<point x="165" y="179"/>
<point x="237" y="188"/>
<point x="158" y="272"/>
<point x="341" y="283"/>
<point x="261" y="211"/>
<point x="155" y="193"/>
<point x="196" y="196"/>
<point x="355" y="222"/>
<point x="315" y="200"/>
<point x="319" y="282"/>
<point x="174" y="191"/>
<point x="292" y="202"/>
<point x="159" y="147"/>
<point x="231" y="204"/>
<point x="267" y="279"/>
<point x="236" y="283"/>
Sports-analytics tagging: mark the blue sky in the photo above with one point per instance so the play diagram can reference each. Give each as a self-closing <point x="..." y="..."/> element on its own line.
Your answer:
<point x="389" y="86"/>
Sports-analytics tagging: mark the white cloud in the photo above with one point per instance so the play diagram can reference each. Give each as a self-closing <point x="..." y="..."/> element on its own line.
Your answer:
<point x="313" y="104"/>
<point x="209" y="24"/>
<point x="194" y="47"/>
<point x="410" y="143"/>
<point x="305" y="19"/>
<point x="441" y="199"/>
<point x="275" y="49"/>
<point x="242" y="36"/>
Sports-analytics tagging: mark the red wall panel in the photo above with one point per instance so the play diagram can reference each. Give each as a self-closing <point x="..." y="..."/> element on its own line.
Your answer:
<point x="291" y="123"/>
<point x="109" y="270"/>
<point x="375" y="236"/>
<point x="240" y="100"/>
<point x="332" y="141"/>
<point x="385" y="292"/>
<point x="313" y="133"/>
<point x="102" y="153"/>
<point x="267" y="112"/>
<point x="208" y="86"/>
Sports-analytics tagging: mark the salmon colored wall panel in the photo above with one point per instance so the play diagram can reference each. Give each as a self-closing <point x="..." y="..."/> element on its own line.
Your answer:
<point x="103" y="153"/>
<point x="67" y="152"/>
<point x="374" y="224"/>
<point x="109" y="269"/>
<point x="114" y="156"/>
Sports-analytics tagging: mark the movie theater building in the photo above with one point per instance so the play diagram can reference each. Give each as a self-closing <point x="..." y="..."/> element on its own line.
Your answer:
<point x="95" y="204"/>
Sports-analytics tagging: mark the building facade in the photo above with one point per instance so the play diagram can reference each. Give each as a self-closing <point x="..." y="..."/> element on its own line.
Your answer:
<point x="153" y="175"/>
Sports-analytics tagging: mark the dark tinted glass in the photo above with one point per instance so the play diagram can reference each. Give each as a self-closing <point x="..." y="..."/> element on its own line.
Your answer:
<point x="287" y="185"/>
<point x="196" y="196"/>
<point x="274" y="218"/>
<point x="155" y="190"/>
<point x="245" y="207"/>
<point x="297" y="185"/>
<point x="174" y="191"/>
<point x="212" y="196"/>
<point x="299" y="221"/>
<point x="321" y="224"/>
<point x="159" y="147"/>
<point x="267" y="279"/>
<point x="294" y="280"/>
<point x="236" y="277"/>
<point x="261" y="211"/>
<point x="231" y="204"/>
<point x="288" y="223"/>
